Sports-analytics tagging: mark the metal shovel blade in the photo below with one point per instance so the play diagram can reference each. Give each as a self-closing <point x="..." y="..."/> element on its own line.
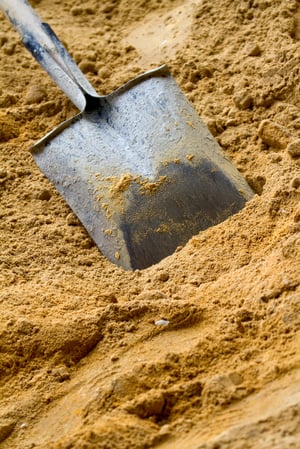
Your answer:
<point x="141" y="171"/>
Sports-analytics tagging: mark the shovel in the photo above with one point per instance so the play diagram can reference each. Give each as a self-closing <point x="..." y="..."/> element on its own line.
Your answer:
<point x="138" y="166"/>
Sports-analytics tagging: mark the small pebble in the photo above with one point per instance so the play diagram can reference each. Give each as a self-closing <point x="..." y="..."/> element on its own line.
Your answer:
<point x="9" y="49"/>
<point x="165" y="430"/>
<point x="114" y="358"/>
<point x="25" y="327"/>
<point x="243" y="100"/>
<point x="189" y="86"/>
<point x="274" y="135"/>
<point x="147" y="405"/>
<point x="44" y="195"/>
<point x="252" y="49"/>
<point x="228" y="89"/>
<point x="61" y="374"/>
<point x="109" y="297"/>
<point x="76" y="11"/>
<point x="256" y="183"/>
<point x="275" y="157"/>
<point x="162" y="323"/>
<point x="236" y="378"/>
<point x="88" y="67"/>
<point x="163" y="276"/>
<point x="293" y="148"/>
<point x="72" y="220"/>
<point x="296" y="183"/>
<point x="35" y="95"/>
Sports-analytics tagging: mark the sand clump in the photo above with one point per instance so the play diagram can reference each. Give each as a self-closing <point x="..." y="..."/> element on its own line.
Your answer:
<point x="83" y="363"/>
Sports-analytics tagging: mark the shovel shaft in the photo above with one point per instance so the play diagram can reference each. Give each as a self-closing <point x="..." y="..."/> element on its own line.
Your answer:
<point x="41" y="41"/>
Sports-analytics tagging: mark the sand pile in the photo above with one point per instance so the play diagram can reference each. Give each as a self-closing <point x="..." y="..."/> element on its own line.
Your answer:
<point x="82" y="362"/>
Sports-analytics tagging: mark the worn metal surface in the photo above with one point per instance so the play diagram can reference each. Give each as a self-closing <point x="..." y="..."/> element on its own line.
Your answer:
<point x="142" y="172"/>
<point x="138" y="167"/>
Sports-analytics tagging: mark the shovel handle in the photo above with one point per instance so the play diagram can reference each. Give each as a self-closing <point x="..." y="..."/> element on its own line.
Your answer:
<point x="44" y="45"/>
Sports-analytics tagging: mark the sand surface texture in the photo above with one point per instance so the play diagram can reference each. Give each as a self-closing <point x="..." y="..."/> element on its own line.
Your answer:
<point x="82" y="362"/>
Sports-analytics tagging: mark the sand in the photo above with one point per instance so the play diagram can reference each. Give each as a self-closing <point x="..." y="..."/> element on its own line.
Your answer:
<point x="200" y="351"/>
